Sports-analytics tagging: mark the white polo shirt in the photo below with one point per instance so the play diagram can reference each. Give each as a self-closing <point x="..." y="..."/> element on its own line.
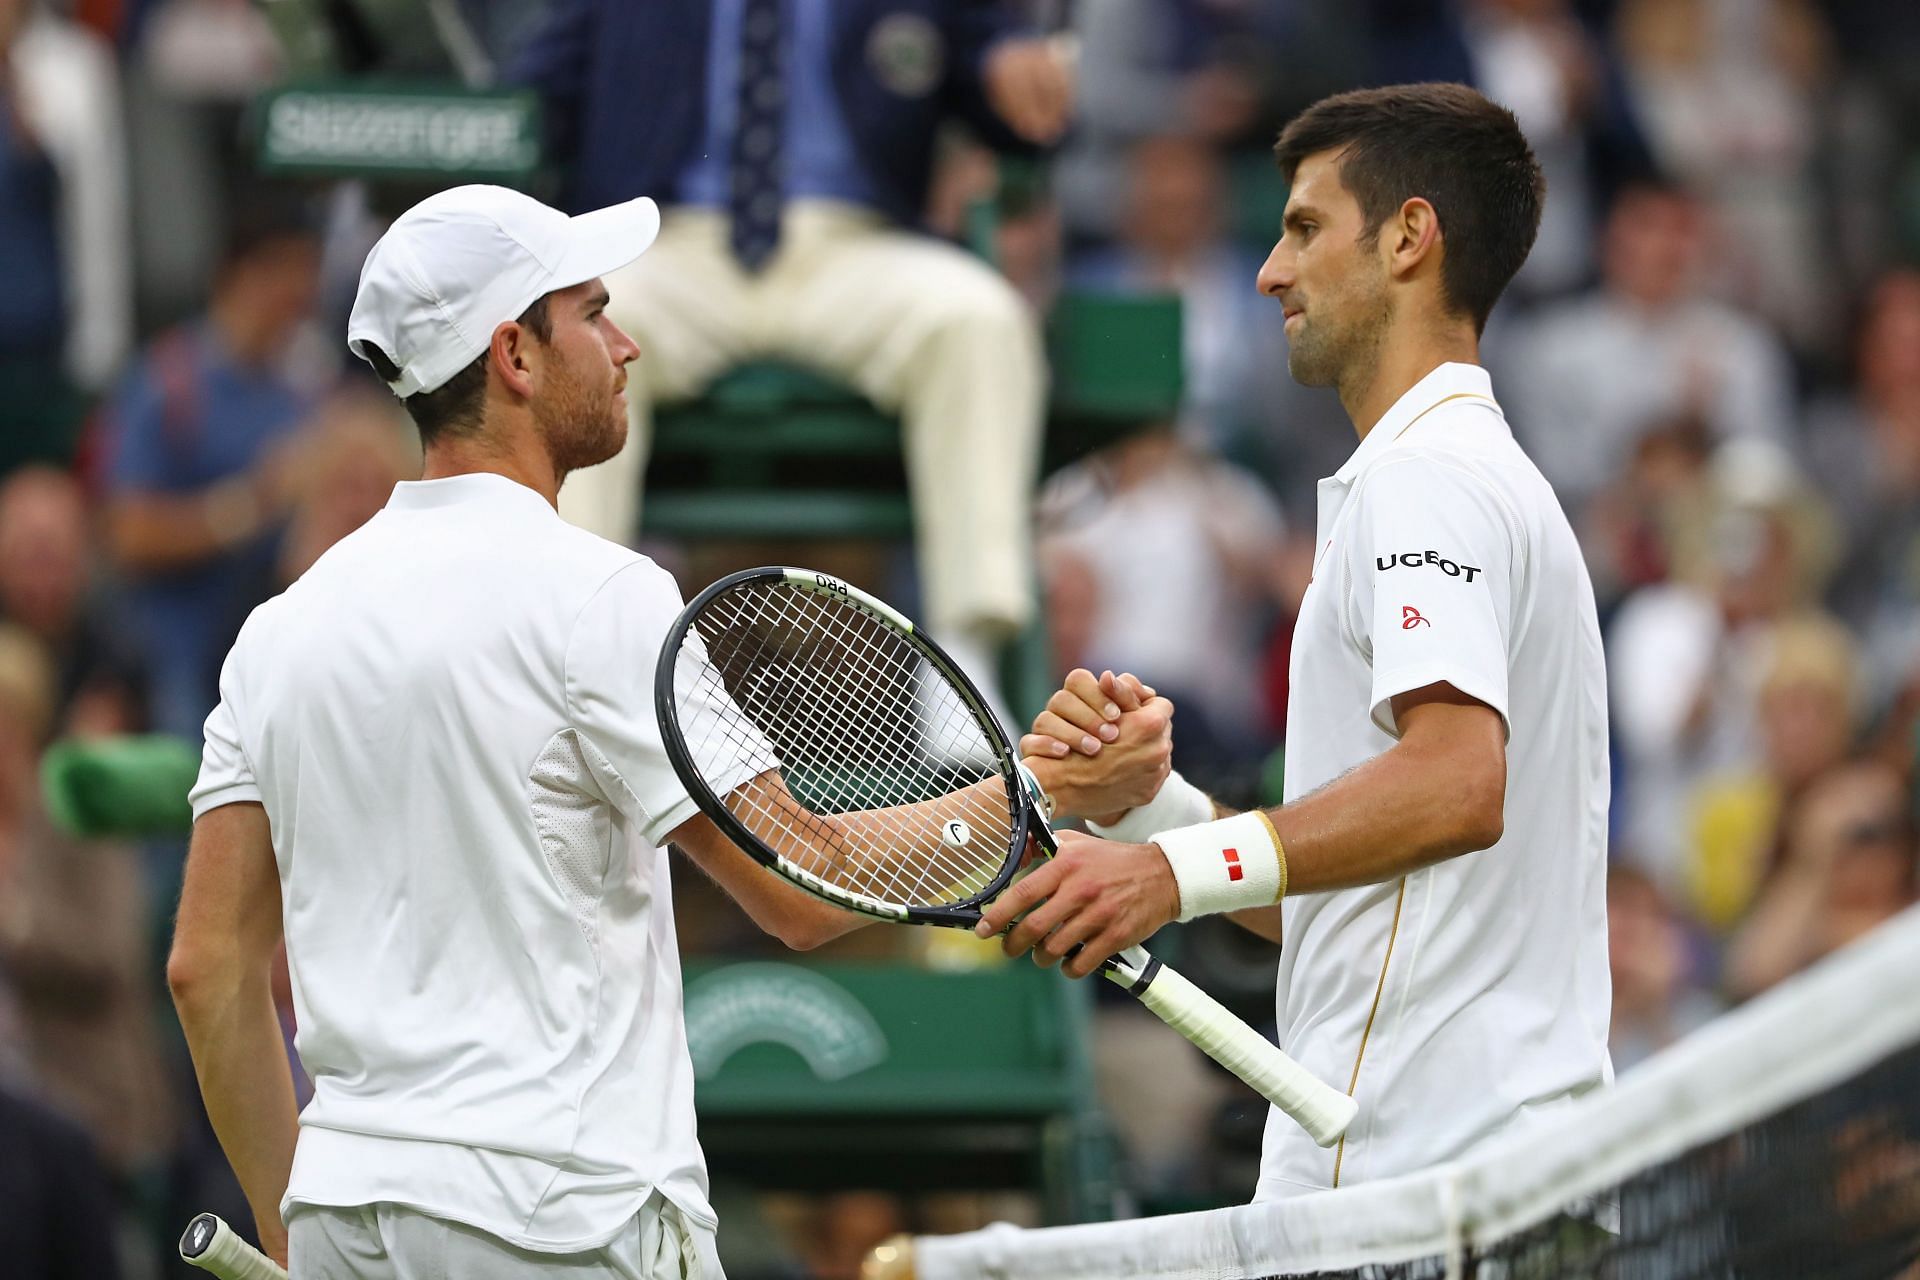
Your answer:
<point x="450" y="722"/>
<point x="1472" y="996"/>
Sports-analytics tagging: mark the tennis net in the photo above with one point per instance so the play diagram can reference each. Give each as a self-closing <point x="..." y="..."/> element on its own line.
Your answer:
<point x="1782" y="1140"/>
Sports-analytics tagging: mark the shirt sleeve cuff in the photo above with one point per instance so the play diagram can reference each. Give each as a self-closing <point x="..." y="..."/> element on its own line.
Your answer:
<point x="655" y="832"/>
<point x="1388" y="685"/>
<point x="205" y="802"/>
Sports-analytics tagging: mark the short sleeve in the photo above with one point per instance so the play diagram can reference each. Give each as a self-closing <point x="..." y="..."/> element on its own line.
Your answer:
<point x="1430" y="569"/>
<point x="611" y="659"/>
<point x="226" y="774"/>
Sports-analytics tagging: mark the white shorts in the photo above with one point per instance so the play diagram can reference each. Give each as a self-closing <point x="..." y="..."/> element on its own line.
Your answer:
<point x="391" y="1242"/>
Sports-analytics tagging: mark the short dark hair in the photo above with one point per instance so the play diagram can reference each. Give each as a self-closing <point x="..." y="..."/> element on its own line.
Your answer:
<point x="1449" y="146"/>
<point x="453" y="407"/>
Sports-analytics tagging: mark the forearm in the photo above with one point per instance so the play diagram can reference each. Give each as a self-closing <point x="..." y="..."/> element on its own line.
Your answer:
<point x="1779" y="938"/>
<point x="784" y="910"/>
<point x="1400" y="811"/>
<point x="240" y="1060"/>
<point x="155" y="533"/>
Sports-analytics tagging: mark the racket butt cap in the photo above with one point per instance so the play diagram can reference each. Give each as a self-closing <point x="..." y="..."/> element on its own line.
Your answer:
<point x="199" y="1235"/>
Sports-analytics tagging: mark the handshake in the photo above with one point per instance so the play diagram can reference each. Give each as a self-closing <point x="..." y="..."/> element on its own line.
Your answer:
<point x="1102" y="747"/>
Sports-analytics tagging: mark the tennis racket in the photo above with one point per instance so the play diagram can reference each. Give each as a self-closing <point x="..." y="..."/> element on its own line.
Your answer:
<point x="839" y="747"/>
<point x="211" y="1245"/>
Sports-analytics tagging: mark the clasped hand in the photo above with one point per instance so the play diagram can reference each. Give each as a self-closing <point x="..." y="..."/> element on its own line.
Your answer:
<point x="1102" y="746"/>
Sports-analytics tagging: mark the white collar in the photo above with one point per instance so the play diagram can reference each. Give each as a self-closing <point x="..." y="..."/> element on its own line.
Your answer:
<point x="469" y="488"/>
<point x="1452" y="381"/>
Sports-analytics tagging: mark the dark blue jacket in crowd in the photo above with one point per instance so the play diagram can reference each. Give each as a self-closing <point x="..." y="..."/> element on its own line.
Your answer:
<point x="623" y="85"/>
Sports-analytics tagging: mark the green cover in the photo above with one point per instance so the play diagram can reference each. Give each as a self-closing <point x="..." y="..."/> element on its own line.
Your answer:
<point x="128" y="787"/>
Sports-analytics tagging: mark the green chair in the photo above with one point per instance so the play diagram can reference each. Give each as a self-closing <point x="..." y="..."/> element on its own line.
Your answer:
<point x="827" y="1075"/>
<point x="771" y="451"/>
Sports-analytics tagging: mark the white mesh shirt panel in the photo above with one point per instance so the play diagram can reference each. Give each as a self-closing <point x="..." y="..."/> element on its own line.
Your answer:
<point x="575" y="825"/>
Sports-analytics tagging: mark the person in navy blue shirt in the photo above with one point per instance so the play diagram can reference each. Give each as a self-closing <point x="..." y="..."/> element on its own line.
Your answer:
<point x="198" y="460"/>
<point x="793" y="142"/>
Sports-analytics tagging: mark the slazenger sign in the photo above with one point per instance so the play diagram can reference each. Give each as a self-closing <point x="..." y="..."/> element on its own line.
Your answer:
<point x="1414" y="559"/>
<point x="439" y="133"/>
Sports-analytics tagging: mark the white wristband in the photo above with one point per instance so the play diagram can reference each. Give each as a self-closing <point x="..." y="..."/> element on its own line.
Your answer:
<point x="1178" y="803"/>
<point x="1226" y="865"/>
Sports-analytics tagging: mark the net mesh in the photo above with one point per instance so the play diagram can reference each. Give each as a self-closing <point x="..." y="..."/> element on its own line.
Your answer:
<point x="832" y="738"/>
<point x="1782" y="1141"/>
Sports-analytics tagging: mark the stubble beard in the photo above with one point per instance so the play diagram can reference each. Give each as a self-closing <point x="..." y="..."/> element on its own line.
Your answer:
<point x="583" y="426"/>
<point x="1332" y="354"/>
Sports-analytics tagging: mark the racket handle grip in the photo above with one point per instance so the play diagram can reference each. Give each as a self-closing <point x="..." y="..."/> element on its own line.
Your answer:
<point x="212" y="1245"/>
<point x="1323" y="1111"/>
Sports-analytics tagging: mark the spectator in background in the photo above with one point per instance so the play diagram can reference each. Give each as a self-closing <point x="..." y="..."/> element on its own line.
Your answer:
<point x="1847" y="867"/>
<point x="1730" y="93"/>
<point x="1686" y="658"/>
<point x="1809" y="719"/>
<point x="1173" y="241"/>
<point x="361" y="447"/>
<point x="793" y="141"/>
<point x="1533" y="57"/>
<point x="57" y="1196"/>
<point x="1213" y="538"/>
<point x="1865" y="451"/>
<point x="66" y="316"/>
<point x="1657" y="997"/>
<point x="199" y="468"/>
<point x="45" y="573"/>
<point x="1587" y="376"/>
<point x="1636" y="528"/>
<point x="73" y="944"/>
<point x="1227" y="72"/>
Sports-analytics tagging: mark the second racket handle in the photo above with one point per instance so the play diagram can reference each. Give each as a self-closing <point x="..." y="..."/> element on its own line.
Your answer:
<point x="1323" y="1111"/>
<point x="212" y="1245"/>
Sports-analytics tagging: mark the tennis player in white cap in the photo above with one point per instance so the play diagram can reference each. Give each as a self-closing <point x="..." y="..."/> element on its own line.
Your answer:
<point x="435" y="765"/>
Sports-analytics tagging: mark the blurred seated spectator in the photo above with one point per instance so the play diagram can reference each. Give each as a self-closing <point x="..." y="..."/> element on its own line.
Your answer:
<point x="1227" y="72"/>
<point x="1583" y="378"/>
<point x="1172" y="241"/>
<point x="1846" y="867"/>
<point x="74" y="944"/>
<point x="794" y="141"/>
<point x="1635" y="529"/>
<point x="1657" y="995"/>
<point x="1686" y="658"/>
<point x="360" y="447"/>
<point x="59" y="1203"/>
<point x="46" y="588"/>
<point x="1731" y="93"/>
<point x="198" y="459"/>
<point x="1533" y="57"/>
<point x="1809" y="720"/>
<point x="66" y="316"/>
<point x="1211" y="538"/>
<point x="1864" y="448"/>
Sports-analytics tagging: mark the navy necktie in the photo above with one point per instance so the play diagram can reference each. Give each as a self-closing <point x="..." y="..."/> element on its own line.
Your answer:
<point x="754" y="197"/>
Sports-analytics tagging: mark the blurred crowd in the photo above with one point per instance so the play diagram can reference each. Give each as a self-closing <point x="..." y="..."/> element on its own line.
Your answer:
<point x="1713" y="353"/>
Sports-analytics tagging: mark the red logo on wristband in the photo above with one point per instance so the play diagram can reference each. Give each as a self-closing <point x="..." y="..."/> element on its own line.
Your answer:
<point x="1233" y="863"/>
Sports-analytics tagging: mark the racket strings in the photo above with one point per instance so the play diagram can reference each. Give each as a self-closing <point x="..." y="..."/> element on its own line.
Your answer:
<point x="887" y="878"/>
<point x="859" y="723"/>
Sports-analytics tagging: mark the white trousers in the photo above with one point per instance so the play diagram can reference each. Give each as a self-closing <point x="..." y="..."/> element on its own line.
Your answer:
<point x="921" y="328"/>
<point x="390" y="1242"/>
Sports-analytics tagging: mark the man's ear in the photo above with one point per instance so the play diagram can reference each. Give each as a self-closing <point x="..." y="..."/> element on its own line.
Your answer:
<point x="1411" y="237"/>
<point x="511" y="357"/>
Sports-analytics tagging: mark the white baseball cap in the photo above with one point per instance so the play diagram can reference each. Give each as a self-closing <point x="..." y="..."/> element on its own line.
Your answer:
<point x="459" y="264"/>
